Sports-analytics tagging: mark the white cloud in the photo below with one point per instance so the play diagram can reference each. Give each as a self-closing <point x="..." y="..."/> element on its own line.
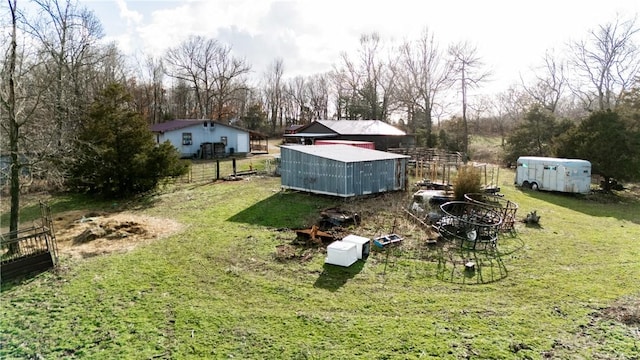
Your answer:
<point x="309" y="35"/>
<point x="128" y="15"/>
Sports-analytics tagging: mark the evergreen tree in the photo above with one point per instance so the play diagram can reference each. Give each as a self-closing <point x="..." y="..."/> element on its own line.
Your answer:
<point x="535" y="136"/>
<point x="255" y="119"/>
<point x="118" y="157"/>
<point x="604" y="139"/>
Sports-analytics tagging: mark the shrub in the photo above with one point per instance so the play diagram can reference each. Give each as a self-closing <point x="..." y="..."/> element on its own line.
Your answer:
<point x="468" y="181"/>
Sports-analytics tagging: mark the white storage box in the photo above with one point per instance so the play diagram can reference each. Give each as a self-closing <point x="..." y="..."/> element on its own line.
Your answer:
<point x="363" y="245"/>
<point x="341" y="253"/>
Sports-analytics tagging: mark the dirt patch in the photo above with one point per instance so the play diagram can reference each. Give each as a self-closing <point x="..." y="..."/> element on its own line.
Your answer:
<point x="625" y="310"/>
<point x="82" y="235"/>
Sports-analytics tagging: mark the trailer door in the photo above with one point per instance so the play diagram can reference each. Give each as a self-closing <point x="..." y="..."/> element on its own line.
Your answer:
<point x="534" y="169"/>
<point x="549" y="177"/>
<point x="562" y="175"/>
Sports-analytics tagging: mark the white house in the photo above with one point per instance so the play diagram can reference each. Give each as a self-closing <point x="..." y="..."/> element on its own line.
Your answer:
<point x="204" y="138"/>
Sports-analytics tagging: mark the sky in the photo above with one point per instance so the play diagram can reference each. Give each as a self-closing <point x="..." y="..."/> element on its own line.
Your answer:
<point x="511" y="36"/>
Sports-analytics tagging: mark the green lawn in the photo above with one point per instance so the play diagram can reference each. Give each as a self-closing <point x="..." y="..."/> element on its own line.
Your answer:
<point x="217" y="289"/>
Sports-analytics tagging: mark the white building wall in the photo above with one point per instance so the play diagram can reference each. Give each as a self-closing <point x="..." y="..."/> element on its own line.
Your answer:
<point x="235" y="138"/>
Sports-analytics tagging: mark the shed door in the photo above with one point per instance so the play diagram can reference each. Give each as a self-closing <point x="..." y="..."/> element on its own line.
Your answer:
<point x="243" y="143"/>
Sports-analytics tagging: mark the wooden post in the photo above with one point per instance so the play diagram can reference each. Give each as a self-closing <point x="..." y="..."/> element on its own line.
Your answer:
<point x="386" y="260"/>
<point x="233" y="161"/>
<point x="485" y="175"/>
<point x="217" y="169"/>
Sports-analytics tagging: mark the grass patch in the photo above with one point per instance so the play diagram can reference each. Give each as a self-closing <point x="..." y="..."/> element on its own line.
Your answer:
<point x="486" y="149"/>
<point x="218" y="290"/>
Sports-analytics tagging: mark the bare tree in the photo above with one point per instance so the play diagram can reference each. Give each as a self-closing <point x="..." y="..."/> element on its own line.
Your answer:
<point x="289" y="109"/>
<point x="318" y="90"/>
<point x="480" y="109"/>
<point x="297" y="99"/>
<point x="55" y="81"/>
<point x="191" y="62"/>
<point x="424" y="77"/>
<point x="157" y="91"/>
<point x="109" y="69"/>
<point x="549" y="84"/>
<point x="148" y="90"/>
<point x="182" y="100"/>
<point x="68" y="36"/>
<point x="368" y="86"/>
<point x="606" y="63"/>
<point x="509" y="109"/>
<point x="345" y="80"/>
<point x="469" y="72"/>
<point x="51" y="76"/>
<point x="247" y="101"/>
<point x="9" y="104"/>
<point x="21" y="94"/>
<point x="214" y="74"/>
<point x="229" y="82"/>
<point x="274" y="89"/>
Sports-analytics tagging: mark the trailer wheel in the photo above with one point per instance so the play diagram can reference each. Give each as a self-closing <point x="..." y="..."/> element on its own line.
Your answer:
<point x="525" y="184"/>
<point x="534" y="186"/>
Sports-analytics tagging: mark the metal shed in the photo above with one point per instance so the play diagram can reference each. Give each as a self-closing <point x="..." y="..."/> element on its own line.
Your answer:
<point x="341" y="170"/>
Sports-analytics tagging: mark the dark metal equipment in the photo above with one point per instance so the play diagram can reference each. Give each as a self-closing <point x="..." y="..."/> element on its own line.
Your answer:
<point x="29" y="250"/>
<point x="476" y="226"/>
<point x="506" y="208"/>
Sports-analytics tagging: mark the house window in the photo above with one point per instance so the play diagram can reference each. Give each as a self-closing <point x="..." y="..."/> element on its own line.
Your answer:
<point x="187" y="139"/>
<point x="223" y="139"/>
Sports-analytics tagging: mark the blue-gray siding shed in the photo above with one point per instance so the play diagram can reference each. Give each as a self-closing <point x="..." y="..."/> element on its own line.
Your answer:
<point x="341" y="170"/>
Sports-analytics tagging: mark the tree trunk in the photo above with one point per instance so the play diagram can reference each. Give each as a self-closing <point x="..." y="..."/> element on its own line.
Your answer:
<point x="14" y="128"/>
<point x="465" y="125"/>
<point x="428" y="122"/>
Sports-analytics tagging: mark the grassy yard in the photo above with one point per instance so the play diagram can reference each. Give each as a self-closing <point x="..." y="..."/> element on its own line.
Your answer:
<point x="568" y="289"/>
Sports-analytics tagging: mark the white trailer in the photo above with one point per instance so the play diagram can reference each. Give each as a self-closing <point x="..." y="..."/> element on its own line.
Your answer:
<point x="554" y="174"/>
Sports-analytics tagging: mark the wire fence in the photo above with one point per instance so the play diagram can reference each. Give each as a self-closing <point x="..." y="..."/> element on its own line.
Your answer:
<point x="212" y="170"/>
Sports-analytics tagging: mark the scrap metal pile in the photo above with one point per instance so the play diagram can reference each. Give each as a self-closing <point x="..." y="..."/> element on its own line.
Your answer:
<point x="476" y="222"/>
<point x="505" y="207"/>
<point x="471" y="223"/>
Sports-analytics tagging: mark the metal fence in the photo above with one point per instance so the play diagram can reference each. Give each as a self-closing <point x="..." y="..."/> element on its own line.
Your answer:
<point x="202" y="171"/>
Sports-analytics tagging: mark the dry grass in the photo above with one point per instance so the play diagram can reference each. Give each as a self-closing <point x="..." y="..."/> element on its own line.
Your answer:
<point x="82" y="234"/>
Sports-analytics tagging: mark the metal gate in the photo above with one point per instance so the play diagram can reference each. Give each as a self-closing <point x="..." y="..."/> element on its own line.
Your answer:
<point x="30" y="250"/>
